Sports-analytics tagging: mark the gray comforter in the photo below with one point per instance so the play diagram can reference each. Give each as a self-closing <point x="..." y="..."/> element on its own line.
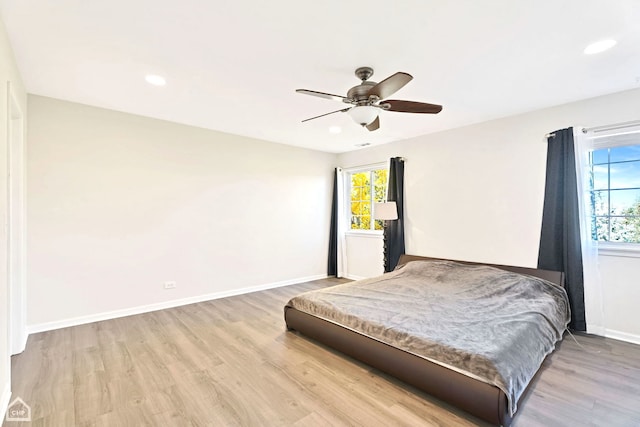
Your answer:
<point x="492" y="325"/>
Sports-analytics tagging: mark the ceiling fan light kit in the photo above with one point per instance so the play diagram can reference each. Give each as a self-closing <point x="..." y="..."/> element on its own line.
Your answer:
<point x="364" y="114"/>
<point x="368" y="98"/>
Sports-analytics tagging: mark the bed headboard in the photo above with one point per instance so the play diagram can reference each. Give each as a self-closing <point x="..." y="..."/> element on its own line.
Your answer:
<point x="556" y="277"/>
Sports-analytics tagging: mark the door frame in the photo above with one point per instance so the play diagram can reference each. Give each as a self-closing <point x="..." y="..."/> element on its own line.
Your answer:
<point x="16" y="224"/>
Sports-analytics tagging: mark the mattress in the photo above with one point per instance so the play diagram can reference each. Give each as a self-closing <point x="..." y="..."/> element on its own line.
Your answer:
<point x="492" y="325"/>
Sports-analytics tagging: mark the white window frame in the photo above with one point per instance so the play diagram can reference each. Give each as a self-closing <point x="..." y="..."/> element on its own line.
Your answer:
<point x="619" y="138"/>
<point x="347" y="199"/>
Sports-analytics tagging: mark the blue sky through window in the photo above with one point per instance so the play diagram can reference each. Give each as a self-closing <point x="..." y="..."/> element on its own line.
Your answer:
<point x="622" y="174"/>
<point x="616" y="193"/>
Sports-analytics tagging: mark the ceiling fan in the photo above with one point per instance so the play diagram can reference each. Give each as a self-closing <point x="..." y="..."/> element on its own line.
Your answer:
<point x="368" y="98"/>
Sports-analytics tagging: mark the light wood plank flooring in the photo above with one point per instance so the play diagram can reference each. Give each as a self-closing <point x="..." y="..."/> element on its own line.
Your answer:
<point x="230" y="362"/>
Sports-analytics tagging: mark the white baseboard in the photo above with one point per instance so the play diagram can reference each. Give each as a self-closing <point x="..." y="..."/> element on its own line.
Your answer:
<point x="622" y="336"/>
<point x="59" y="324"/>
<point x="596" y="330"/>
<point x="4" y="403"/>
<point x="354" y="277"/>
<point x="22" y="343"/>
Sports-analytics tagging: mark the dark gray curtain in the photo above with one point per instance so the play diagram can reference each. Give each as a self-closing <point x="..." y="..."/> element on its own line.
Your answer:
<point x="332" y="265"/>
<point x="560" y="247"/>
<point x="394" y="231"/>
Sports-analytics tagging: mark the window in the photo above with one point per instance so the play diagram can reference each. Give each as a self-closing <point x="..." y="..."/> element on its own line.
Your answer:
<point x="365" y="188"/>
<point x="615" y="193"/>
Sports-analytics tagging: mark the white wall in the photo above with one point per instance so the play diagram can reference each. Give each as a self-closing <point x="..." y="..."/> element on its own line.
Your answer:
<point x="476" y="193"/>
<point x="9" y="77"/>
<point x="364" y="255"/>
<point x="118" y="204"/>
<point x="621" y="296"/>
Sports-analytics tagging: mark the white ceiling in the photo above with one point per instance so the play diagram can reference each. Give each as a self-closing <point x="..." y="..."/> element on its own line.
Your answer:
<point x="233" y="66"/>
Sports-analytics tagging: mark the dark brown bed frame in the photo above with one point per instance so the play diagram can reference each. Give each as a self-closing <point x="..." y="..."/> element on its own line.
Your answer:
<point x="480" y="399"/>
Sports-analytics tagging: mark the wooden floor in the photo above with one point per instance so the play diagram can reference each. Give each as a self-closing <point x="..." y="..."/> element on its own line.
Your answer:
<point x="230" y="362"/>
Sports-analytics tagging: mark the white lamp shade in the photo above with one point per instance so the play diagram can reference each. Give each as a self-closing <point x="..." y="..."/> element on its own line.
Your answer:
<point x="385" y="211"/>
<point x="364" y="114"/>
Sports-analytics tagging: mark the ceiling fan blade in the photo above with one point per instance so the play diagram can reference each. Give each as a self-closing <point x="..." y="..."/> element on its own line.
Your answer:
<point x="390" y="85"/>
<point x="412" y="107"/>
<point x="326" y="114"/>
<point x="322" y="95"/>
<point x="374" y="125"/>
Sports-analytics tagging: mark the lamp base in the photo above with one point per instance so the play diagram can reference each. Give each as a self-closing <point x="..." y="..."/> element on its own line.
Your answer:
<point x="385" y="261"/>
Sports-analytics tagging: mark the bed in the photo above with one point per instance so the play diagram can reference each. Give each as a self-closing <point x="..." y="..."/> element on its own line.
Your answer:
<point x="470" y="334"/>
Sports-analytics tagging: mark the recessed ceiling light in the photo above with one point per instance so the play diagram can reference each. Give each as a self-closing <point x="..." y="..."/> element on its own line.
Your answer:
<point x="600" y="46"/>
<point x="335" y="129"/>
<point x="156" y="80"/>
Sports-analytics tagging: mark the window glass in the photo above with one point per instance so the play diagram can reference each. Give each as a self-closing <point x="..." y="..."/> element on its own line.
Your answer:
<point x="625" y="175"/>
<point x="599" y="157"/>
<point x="602" y="229"/>
<point x="623" y="201"/>
<point x="625" y="229"/>
<point x="367" y="188"/>
<point x="615" y="194"/>
<point x="600" y="177"/>
<point x="624" y="153"/>
<point x="600" y="202"/>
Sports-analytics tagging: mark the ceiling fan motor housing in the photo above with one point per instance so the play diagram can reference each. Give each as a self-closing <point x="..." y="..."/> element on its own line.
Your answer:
<point x="359" y="95"/>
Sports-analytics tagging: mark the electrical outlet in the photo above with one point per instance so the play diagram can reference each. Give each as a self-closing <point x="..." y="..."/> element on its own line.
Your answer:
<point x="169" y="285"/>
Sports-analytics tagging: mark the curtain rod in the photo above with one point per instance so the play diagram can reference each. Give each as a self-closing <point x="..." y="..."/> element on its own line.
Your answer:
<point x="603" y="128"/>
<point x="612" y="127"/>
<point x="370" y="165"/>
<point x="362" y="167"/>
